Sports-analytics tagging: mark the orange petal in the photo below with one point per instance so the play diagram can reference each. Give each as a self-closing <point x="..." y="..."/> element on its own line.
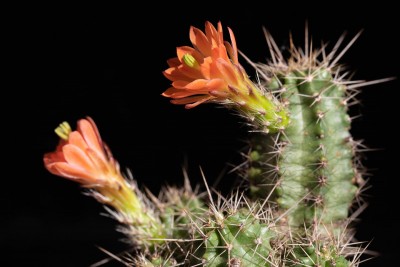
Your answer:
<point x="228" y="72"/>
<point x="98" y="161"/>
<point x="178" y="93"/>
<point x="78" y="158"/>
<point x="229" y="49"/>
<point x="214" y="71"/>
<point x="220" y="34"/>
<point x="49" y="164"/>
<point x="234" y="51"/>
<point x="170" y="92"/>
<point x="200" y="41"/>
<point x="173" y="62"/>
<point x="220" y="52"/>
<point x="205" y="67"/>
<point x="198" y="84"/>
<point x="191" y="100"/>
<point x="216" y="84"/>
<point x="195" y="104"/>
<point x="53" y="157"/>
<point x="181" y="85"/>
<point x="174" y="74"/>
<point x="212" y="34"/>
<point x="90" y="133"/>
<point x="96" y="131"/>
<point x="190" y="72"/>
<point x="74" y="173"/>
<point x="76" y="139"/>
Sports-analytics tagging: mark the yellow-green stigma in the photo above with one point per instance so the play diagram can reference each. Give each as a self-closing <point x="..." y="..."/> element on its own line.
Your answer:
<point x="190" y="61"/>
<point x="63" y="130"/>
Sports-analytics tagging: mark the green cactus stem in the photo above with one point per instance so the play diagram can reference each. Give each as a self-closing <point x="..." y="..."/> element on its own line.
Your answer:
<point x="316" y="255"/>
<point x="312" y="162"/>
<point x="238" y="239"/>
<point x="316" y="166"/>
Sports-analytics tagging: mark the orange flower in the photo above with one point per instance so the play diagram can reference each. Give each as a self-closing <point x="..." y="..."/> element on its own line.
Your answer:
<point x="210" y="71"/>
<point x="81" y="156"/>
<point x="207" y="71"/>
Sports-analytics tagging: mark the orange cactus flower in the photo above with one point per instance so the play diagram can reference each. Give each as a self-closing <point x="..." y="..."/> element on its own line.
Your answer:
<point x="210" y="71"/>
<point x="206" y="71"/>
<point x="82" y="156"/>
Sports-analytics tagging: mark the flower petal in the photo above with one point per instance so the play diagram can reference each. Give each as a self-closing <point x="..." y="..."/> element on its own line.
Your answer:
<point x="205" y="68"/>
<point x="190" y="72"/>
<point x="170" y="92"/>
<point x="198" y="84"/>
<point x="49" y="164"/>
<point x="191" y="100"/>
<point x="78" y="158"/>
<point x="174" y="74"/>
<point x="195" y="104"/>
<point x="234" y="52"/>
<point x="73" y="172"/>
<point x="173" y="62"/>
<point x="99" y="164"/>
<point x="220" y="52"/>
<point x="53" y="157"/>
<point x="76" y="139"/>
<point x="91" y="135"/>
<point x="220" y="34"/>
<point x="200" y="41"/>
<point x="211" y="34"/>
<point x="217" y="84"/>
<point x="178" y="93"/>
<point x="227" y="70"/>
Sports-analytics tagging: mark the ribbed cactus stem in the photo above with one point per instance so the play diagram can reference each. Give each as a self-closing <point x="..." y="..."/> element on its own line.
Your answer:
<point x="311" y="163"/>
<point x="316" y="165"/>
<point x="239" y="239"/>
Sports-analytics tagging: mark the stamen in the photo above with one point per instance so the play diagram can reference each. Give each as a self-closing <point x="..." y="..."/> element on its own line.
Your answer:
<point x="63" y="130"/>
<point x="190" y="61"/>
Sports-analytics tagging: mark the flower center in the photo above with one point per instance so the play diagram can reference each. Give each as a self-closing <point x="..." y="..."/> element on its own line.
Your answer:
<point x="63" y="130"/>
<point x="190" y="61"/>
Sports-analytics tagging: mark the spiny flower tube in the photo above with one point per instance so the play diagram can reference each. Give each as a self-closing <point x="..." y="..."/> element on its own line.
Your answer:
<point x="210" y="72"/>
<point x="82" y="156"/>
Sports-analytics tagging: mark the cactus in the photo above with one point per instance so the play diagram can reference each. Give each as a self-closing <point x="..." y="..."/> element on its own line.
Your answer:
<point x="302" y="171"/>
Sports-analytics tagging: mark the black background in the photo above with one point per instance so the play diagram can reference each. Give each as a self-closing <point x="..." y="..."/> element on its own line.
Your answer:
<point x="68" y="62"/>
